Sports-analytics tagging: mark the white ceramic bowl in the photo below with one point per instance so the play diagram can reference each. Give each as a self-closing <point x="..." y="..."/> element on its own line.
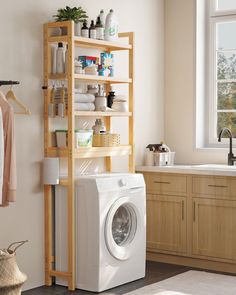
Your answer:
<point x="120" y="106"/>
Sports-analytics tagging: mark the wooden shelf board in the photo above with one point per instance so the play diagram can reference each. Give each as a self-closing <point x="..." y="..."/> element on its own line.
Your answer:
<point x="57" y="39"/>
<point x="91" y="43"/>
<point x="101" y="44"/>
<point x="59" y="24"/>
<point x="95" y="78"/>
<point x="56" y="273"/>
<point x="57" y="76"/>
<point x="102" y="114"/>
<point x="64" y="182"/>
<point x="56" y="152"/>
<point x="96" y="152"/>
<point x="91" y="78"/>
<point x="93" y="152"/>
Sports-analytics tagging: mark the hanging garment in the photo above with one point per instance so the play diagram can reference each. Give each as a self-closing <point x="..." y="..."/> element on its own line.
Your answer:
<point x="9" y="170"/>
<point x="1" y="155"/>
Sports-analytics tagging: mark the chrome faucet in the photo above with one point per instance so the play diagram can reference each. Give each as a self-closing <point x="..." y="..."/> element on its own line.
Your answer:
<point x="231" y="157"/>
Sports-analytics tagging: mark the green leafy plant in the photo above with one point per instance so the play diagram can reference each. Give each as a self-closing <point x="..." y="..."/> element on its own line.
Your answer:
<point x="77" y="14"/>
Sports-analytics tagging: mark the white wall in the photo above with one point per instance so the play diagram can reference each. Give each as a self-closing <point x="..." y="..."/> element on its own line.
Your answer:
<point x="180" y="85"/>
<point x="21" y="58"/>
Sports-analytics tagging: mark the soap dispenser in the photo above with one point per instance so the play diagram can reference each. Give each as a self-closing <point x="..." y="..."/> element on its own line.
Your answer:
<point x="110" y="97"/>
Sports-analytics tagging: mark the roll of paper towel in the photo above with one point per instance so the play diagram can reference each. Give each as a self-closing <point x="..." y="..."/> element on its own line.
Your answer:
<point x="51" y="171"/>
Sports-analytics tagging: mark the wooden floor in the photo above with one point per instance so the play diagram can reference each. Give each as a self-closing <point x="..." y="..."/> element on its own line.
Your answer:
<point x="155" y="272"/>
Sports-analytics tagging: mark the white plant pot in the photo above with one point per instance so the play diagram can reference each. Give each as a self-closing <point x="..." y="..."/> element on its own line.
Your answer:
<point x="77" y="29"/>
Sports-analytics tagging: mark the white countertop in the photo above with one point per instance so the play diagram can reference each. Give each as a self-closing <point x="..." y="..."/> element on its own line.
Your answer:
<point x="208" y="169"/>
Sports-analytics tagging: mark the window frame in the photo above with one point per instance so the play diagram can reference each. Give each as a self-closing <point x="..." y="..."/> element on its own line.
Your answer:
<point x="217" y="12"/>
<point x="214" y="17"/>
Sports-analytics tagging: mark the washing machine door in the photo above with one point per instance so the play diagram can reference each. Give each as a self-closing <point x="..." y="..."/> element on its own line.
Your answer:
<point x="121" y="228"/>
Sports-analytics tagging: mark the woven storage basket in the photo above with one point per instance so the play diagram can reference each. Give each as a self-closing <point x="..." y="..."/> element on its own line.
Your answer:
<point x="106" y="140"/>
<point x="11" y="278"/>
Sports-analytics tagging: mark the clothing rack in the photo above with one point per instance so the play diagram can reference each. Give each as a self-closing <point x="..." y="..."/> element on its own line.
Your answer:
<point x="9" y="82"/>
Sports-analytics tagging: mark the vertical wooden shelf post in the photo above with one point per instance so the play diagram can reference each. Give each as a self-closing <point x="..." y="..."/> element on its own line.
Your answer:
<point x="47" y="188"/>
<point x="130" y="36"/>
<point x="71" y="160"/>
<point x="49" y="258"/>
<point x="131" y="103"/>
<point x="108" y="162"/>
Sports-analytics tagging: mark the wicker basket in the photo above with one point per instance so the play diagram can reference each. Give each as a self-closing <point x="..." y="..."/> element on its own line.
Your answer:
<point x="11" y="278"/>
<point x="107" y="140"/>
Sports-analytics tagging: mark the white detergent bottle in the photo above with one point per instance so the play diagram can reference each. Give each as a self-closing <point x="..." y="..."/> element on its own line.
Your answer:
<point x="60" y="59"/>
<point x="111" y="27"/>
<point x="102" y="17"/>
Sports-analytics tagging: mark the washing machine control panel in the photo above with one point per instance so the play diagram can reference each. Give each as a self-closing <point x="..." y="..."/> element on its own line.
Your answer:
<point x="122" y="182"/>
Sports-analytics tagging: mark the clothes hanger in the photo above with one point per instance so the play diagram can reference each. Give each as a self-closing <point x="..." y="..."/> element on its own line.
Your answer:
<point x="24" y="110"/>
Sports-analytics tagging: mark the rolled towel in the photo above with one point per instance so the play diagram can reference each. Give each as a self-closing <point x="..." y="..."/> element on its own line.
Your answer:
<point x="84" y="106"/>
<point x="78" y="90"/>
<point x="84" y="97"/>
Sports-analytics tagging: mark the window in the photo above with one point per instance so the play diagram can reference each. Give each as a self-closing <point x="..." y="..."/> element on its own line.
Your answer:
<point x="224" y="5"/>
<point x="222" y="67"/>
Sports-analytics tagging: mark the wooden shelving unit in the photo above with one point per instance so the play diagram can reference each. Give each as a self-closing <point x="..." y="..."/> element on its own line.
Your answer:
<point x="70" y="152"/>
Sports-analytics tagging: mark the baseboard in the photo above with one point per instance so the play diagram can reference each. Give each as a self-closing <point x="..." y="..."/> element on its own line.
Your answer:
<point x="192" y="262"/>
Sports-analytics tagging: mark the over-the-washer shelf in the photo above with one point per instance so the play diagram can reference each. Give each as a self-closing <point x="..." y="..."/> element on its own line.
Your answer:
<point x="126" y="43"/>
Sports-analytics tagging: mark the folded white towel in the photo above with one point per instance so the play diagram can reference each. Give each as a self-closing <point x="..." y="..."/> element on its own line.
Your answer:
<point x="81" y="106"/>
<point x="78" y="90"/>
<point x="84" y="97"/>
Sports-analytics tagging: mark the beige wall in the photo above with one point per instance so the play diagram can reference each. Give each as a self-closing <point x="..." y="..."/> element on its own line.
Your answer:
<point x="21" y="58"/>
<point x="180" y="85"/>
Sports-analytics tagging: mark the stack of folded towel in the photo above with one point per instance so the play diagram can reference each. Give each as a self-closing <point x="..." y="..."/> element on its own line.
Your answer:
<point x="84" y="101"/>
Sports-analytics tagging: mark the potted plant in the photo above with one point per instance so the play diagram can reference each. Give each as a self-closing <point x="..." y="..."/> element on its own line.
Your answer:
<point x="77" y="14"/>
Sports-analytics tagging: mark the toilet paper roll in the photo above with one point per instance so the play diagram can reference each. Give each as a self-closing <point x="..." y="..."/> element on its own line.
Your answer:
<point x="51" y="171"/>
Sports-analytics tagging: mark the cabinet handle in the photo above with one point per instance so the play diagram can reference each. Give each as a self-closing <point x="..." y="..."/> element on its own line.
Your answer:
<point x="182" y="210"/>
<point x="215" y="185"/>
<point x="194" y="211"/>
<point x="161" y="182"/>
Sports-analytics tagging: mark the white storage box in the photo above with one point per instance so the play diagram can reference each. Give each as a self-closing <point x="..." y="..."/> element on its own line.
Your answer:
<point x="164" y="159"/>
<point x="83" y="138"/>
<point x="61" y="137"/>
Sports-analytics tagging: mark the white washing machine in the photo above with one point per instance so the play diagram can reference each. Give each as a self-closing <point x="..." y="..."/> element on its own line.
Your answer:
<point x="110" y="230"/>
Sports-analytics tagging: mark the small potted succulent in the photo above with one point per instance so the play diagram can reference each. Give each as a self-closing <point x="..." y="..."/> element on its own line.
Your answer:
<point x="77" y="14"/>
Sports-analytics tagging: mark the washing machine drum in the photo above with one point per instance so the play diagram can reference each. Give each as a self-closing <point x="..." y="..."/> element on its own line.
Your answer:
<point x="121" y="228"/>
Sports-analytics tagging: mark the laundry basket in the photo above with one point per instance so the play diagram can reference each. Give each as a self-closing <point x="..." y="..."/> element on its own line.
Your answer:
<point x="11" y="278"/>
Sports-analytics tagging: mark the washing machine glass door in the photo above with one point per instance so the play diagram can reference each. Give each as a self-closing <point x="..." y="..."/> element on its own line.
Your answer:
<point x="121" y="228"/>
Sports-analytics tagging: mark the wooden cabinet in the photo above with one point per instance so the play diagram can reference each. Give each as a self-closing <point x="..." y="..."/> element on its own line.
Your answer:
<point x="166" y="223"/>
<point x="212" y="187"/>
<point x="191" y="220"/>
<point x="166" y="184"/>
<point x="166" y="212"/>
<point x="214" y="228"/>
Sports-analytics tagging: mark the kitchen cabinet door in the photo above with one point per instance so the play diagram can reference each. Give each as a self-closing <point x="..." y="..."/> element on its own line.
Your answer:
<point x="166" y="223"/>
<point x="214" y="228"/>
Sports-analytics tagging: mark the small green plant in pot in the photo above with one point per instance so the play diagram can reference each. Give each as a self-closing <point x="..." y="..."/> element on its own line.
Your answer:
<point x="77" y="14"/>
